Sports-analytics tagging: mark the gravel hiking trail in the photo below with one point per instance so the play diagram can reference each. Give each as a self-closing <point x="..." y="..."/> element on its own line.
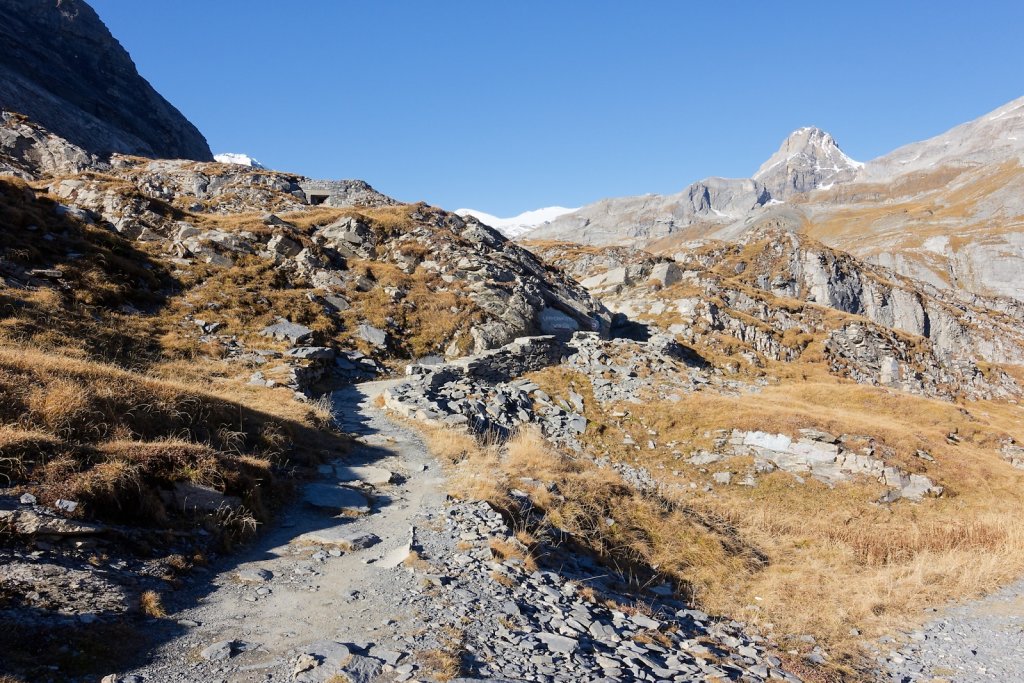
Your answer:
<point x="315" y="575"/>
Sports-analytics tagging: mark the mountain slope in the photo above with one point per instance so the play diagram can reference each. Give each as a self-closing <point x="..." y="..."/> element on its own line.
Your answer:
<point x="990" y="139"/>
<point x="60" y="66"/>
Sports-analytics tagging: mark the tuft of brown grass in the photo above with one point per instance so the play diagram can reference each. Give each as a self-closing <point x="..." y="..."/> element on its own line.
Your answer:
<point x="503" y="550"/>
<point x="151" y="604"/>
<point x="113" y="439"/>
<point x="416" y="562"/>
<point x="445" y="662"/>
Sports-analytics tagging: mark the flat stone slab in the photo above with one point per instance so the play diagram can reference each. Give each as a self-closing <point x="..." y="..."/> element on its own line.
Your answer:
<point x="557" y="643"/>
<point x="224" y="650"/>
<point x="324" y="660"/>
<point x="31" y="523"/>
<point x="340" y="537"/>
<point x="254" y="575"/>
<point x="367" y="474"/>
<point x="336" y="498"/>
<point x="287" y="331"/>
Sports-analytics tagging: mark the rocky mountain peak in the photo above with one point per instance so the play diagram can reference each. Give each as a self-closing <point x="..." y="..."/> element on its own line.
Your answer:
<point x="61" y="67"/>
<point x="808" y="159"/>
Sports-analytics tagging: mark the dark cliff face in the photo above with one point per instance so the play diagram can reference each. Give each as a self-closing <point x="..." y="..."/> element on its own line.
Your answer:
<point x="61" y="67"/>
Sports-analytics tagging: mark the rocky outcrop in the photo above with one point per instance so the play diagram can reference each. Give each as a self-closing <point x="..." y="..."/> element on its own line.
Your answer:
<point x="520" y="295"/>
<point x="486" y="394"/>
<point x="827" y="459"/>
<point x="483" y="394"/>
<point x="795" y="266"/>
<point x="28" y="150"/>
<point x="877" y="356"/>
<point x="177" y="206"/>
<point x="343" y="193"/>
<point x="779" y="294"/>
<point x="60" y="66"/>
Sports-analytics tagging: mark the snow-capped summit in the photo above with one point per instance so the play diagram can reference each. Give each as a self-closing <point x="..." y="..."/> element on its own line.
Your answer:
<point x="240" y="159"/>
<point x="807" y="160"/>
<point x="517" y="225"/>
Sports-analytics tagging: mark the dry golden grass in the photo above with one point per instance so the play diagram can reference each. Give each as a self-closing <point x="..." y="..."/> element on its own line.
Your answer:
<point x="444" y="663"/>
<point x="938" y="203"/>
<point x="505" y="550"/>
<point x="416" y="561"/>
<point x="112" y="438"/>
<point x="626" y="528"/>
<point x="788" y="558"/>
<point x="112" y="407"/>
<point x="101" y="271"/>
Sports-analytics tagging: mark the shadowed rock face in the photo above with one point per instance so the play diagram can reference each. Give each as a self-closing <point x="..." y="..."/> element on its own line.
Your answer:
<point x="61" y="67"/>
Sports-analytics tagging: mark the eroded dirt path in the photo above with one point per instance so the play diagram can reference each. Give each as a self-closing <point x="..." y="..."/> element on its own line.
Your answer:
<point x="301" y="583"/>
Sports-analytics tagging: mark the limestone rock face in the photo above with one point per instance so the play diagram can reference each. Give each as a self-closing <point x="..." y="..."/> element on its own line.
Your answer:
<point x="61" y="67"/>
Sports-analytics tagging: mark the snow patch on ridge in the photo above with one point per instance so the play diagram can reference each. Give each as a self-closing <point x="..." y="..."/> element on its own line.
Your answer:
<point x="517" y="225"/>
<point x="240" y="159"/>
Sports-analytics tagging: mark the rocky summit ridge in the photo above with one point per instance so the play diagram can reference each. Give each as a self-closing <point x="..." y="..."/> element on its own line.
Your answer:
<point x="808" y="159"/>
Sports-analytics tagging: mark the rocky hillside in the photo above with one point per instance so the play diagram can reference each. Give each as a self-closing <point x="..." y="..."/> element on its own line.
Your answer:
<point x="777" y="296"/>
<point x="806" y="426"/>
<point x="60" y="66"/>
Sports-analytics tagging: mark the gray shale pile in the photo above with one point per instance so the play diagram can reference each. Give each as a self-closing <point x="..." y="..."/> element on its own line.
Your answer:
<point x="575" y="623"/>
<point x="486" y="394"/>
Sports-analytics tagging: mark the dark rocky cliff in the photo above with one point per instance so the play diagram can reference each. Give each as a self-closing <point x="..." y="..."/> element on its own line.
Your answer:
<point x="60" y="66"/>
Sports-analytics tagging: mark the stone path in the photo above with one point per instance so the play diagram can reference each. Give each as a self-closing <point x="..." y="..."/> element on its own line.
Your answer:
<point x="317" y="575"/>
<point x="978" y="641"/>
<point x="411" y="588"/>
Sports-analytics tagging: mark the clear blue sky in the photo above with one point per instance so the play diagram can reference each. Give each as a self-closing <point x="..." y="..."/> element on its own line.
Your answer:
<point x="514" y="105"/>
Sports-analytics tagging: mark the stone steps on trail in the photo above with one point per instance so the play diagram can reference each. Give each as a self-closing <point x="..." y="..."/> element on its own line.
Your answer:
<point x="346" y="539"/>
<point x="365" y="474"/>
<point x="341" y="499"/>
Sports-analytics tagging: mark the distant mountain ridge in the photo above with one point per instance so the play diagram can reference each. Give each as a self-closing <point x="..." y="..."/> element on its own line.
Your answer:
<point x="948" y="210"/>
<point x="808" y="159"/>
<point x="61" y="67"/>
